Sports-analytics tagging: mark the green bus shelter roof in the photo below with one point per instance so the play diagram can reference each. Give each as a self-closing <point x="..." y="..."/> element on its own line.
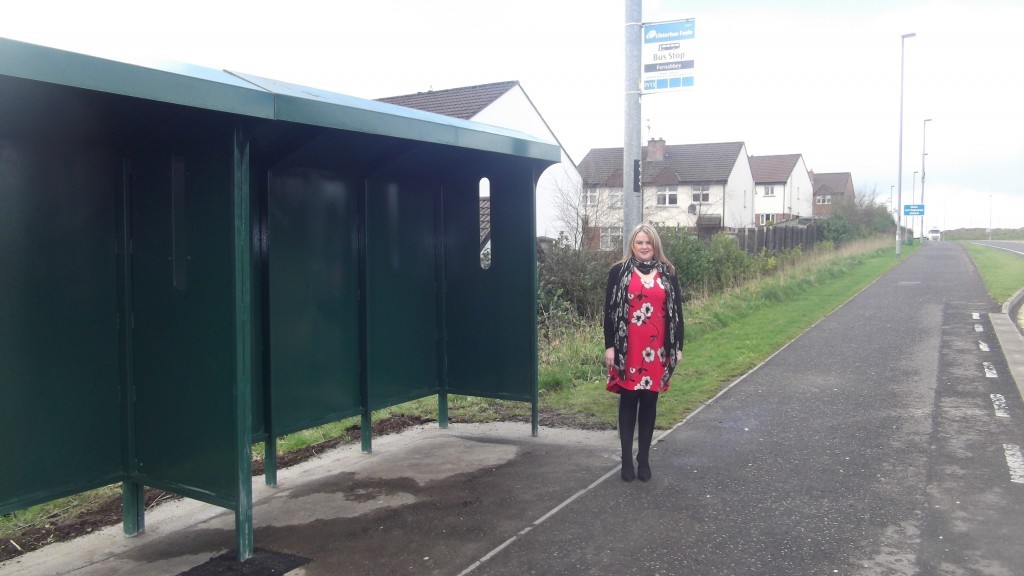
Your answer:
<point x="248" y="95"/>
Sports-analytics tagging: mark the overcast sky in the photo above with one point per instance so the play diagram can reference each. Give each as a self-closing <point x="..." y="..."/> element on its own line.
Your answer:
<point x="818" y="78"/>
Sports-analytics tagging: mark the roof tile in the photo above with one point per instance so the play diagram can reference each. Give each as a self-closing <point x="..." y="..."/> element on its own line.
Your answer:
<point x="697" y="163"/>
<point x="833" y="183"/>
<point x="465" y="102"/>
<point x="770" y="169"/>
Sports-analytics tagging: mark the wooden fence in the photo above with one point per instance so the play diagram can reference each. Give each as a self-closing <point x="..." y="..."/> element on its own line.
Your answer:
<point x="775" y="239"/>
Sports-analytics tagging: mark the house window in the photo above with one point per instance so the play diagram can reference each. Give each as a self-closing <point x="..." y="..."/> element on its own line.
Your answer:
<point x="615" y="198"/>
<point x="611" y="238"/>
<point x="701" y="193"/>
<point x="769" y="190"/>
<point x="590" y="197"/>
<point x="767" y="219"/>
<point x="668" y="196"/>
<point x="823" y="199"/>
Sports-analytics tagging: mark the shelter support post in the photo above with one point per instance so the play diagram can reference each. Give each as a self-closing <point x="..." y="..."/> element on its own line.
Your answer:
<point x="243" y="349"/>
<point x="133" y="508"/>
<point x="442" y="410"/>
<point x="366" y="431"/>
<point x="534" y="417"/>
<point x="270" y="460"/>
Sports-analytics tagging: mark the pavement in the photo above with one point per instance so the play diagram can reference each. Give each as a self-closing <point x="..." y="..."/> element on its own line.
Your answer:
<point x="745" y="485"/>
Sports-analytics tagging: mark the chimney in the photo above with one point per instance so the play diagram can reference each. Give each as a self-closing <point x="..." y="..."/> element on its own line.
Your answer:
<point x="810" y="174"/>
<point x="655" y="150"/>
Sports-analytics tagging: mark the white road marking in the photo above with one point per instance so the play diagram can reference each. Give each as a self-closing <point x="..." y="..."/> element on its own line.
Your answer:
<point x="1000" y="248"/>
<point x="990" y="370"/>
<point x="982" y="346"/>
<point x="979" y="328"/>
<point x="999" y="405"/>
<point x="975" y="316"/>
<point x="1015" y="462"/>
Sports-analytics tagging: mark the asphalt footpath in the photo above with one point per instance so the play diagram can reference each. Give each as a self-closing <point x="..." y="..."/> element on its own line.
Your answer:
<point x="886" y="439"/>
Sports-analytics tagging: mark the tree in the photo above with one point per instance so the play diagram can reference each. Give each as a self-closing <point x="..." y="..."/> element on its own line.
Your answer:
<point x="579" y="212"/>
<point x="865" y="216"/>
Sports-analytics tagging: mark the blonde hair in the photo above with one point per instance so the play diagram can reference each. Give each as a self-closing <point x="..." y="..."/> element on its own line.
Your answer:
<point x="652" y="233"/>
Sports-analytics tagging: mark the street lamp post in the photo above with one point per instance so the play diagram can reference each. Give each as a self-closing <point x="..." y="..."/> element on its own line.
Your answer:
<point x="913" y="200"/>
<point x="989" y="217"/>
<point x="899" y="177"/>
<point x="924" y="136"/>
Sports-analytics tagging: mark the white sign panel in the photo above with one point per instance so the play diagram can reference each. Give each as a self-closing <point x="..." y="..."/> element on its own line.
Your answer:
<point x="667" y="56"/>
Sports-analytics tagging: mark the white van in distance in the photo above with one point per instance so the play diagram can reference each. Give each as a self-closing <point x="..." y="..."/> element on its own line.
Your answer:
<point x="934" y="234"/>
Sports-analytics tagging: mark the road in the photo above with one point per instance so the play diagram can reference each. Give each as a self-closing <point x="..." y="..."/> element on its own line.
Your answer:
<point x="1015" y="246"/>
<point x="884" y="440"/>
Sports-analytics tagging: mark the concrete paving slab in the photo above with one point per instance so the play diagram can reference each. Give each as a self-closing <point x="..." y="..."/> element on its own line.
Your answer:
<point x="426" y="501"/>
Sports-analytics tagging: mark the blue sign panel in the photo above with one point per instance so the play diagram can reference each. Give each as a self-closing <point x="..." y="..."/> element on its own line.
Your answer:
<point x="667" y="56"/>
<point x="913" y="209"/>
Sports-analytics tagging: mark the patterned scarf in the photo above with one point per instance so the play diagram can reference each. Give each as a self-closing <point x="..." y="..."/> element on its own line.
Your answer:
<point x="620" y="304"/>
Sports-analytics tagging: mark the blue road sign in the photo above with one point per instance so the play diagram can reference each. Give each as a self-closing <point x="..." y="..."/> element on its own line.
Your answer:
<point x="913" y="209"/>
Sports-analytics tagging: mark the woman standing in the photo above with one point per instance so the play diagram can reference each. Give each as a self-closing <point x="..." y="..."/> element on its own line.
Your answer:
<point x="643" y="338"/>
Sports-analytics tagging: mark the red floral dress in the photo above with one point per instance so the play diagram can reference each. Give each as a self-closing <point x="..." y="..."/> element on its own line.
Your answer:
<point x="645" y="341"/>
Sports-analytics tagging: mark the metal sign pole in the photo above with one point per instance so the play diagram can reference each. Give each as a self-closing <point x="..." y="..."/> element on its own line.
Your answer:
<point x="632" y="199"/>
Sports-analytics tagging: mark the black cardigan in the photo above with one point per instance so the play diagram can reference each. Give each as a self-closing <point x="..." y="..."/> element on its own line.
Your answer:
<point x="609" y="321"/>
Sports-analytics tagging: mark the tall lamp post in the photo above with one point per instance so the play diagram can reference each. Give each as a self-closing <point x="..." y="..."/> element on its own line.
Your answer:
<point x="913" y="200"/>
<point x="899" y="177"/>
<point x="989" y="217"/>
<point x="892" y="191"/>
<point x="924" y="136"/>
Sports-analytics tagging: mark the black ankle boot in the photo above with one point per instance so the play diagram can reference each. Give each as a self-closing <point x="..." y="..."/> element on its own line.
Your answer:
<point x="643" y="470"/>
<point x="627" y="470"/>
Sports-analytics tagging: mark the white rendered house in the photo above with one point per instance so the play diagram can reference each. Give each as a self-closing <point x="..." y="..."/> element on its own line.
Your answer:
<point x="504" y="104"/>
<point x="704" y="187"/>
<point x="782" y="188"/>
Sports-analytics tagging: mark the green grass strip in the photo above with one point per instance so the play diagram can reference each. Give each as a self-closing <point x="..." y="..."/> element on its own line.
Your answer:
<point x="1002" y="271"/>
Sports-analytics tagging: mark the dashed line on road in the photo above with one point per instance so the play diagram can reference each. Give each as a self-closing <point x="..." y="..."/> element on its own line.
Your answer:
<point x="999" y="405"/>
<point x="990" y="370"/>
<point x="983" y="346"/>
<point x="1015" y="462"/>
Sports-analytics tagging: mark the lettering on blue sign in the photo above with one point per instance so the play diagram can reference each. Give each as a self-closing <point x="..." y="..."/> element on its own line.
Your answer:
<point x="667" y="66"/>
<point x="683" y="30"/>
<point x="670" y="56"/>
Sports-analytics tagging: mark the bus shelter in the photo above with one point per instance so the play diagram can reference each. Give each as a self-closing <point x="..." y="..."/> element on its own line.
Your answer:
<point x="194" y="260"/>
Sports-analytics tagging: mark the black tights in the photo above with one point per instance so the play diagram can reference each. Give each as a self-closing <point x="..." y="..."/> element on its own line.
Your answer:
<point x="637" y="407"/>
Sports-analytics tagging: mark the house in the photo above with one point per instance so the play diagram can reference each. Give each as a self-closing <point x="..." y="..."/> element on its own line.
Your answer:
<point x="706" y="187"/>
<point x="830" y="190"/>
<point x="782" y="188"/>
<point x="504" y="104"/>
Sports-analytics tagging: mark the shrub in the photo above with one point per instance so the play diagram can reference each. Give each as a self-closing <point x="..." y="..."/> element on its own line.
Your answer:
<point x="837" y="229"/>
<point x="577" y="277"/>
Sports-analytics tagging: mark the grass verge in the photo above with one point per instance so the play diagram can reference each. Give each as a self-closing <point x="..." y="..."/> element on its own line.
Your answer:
<point x="1002" y="271"/>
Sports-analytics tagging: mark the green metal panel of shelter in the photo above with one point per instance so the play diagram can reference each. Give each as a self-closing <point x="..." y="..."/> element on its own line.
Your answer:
<point x="195" y="260"/>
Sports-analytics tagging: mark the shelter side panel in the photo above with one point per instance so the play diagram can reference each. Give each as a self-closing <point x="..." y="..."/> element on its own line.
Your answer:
<point x="181" y="196"/>
<point x="401" y="290"/>
<point x="59" y="378"/>
<point x="315" y="340"/>
<point x="491" y="300"/>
